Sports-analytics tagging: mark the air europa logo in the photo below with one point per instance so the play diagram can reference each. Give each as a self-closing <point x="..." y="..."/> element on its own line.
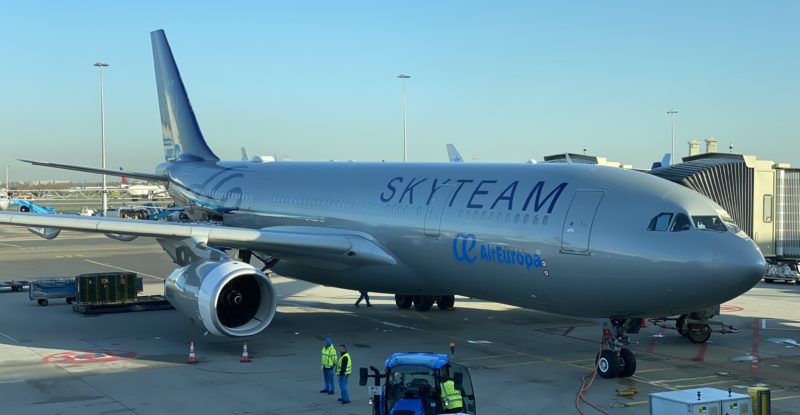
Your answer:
<point x="467" y="249"/>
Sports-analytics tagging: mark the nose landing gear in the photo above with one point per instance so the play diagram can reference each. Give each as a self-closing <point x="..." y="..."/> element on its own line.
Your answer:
<point x="616" y="360"/>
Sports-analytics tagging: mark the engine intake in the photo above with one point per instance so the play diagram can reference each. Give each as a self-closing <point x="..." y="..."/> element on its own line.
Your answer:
<point x="227" y="298"/>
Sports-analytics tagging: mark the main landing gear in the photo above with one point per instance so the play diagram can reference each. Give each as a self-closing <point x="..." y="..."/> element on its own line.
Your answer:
<point x="616" y="360"/>
<point x="697" y="326"/>
<point x="424" y="302"/>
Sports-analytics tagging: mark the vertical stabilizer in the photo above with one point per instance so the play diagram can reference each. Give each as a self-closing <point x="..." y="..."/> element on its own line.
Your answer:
<point x="453" y="154"/>
<point x="182" y="137"/>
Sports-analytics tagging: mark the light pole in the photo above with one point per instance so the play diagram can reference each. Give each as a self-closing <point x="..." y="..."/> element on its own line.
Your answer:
<point x="8" y="185"/>
<point x="671" y="114"/>
<point x="403" y="78"/>
<point x="102" y="65"/>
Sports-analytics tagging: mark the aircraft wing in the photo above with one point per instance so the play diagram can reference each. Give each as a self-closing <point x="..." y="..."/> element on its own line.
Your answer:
<point x="301" y="244"/>
<point x="108" y="172"/>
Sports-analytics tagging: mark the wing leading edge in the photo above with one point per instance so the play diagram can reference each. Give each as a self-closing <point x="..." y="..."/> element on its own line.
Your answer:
<point x="295" y="243"/>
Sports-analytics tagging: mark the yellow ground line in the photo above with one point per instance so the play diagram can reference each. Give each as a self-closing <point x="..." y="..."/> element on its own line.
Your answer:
<point x="536" y="362"/>
<point x="651" y="383"/>
<point x="636" y="403"/>
<point x="656" y="370"/>
<point x="580" y="360"/>
<point x="491" y="357"/>
<point x="11" y="245"/>
<point x="697" y="385"/>
<point x="684" y="379"/>
<point x="782" y="398"/>
<point x="123" y="269"/>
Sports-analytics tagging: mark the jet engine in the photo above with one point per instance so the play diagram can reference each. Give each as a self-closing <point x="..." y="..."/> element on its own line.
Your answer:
<point x="226" y="298"/>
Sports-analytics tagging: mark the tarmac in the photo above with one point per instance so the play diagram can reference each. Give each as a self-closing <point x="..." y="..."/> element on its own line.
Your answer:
<point x="56" y="361"/>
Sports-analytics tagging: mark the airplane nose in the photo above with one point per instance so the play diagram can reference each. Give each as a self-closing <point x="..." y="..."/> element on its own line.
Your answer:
<point x="744" y="265"/>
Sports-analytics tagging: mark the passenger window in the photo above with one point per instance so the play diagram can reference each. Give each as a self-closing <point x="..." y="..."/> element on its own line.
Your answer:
<point x="767" y="208"/>
<point x="660" y="223"/>
<point x="682" y="223"/>
<point x="525" y="219"/>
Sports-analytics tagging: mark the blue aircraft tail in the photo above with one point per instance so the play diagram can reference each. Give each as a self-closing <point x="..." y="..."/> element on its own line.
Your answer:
<point x="182" y="137"/>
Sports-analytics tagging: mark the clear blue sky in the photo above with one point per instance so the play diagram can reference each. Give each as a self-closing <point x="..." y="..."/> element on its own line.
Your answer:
<point x="316" y="80"/>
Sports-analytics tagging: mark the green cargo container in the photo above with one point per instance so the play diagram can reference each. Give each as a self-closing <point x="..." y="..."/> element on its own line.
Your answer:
<point x="106" y="287"/>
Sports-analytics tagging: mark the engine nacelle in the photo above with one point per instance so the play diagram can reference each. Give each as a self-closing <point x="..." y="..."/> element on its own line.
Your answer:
<point x="46" y="233"/>
<point x="227" y="298"/>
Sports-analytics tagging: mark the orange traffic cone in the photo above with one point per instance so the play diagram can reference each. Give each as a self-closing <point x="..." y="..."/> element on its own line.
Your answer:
<point x="245" y="355"/>
<point x="192" y="355"/>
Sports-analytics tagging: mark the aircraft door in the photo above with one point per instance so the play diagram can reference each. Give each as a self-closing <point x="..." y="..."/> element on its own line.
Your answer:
<point x="463" y="383"/>
<point x="578" y="222"/>
<point x="435" y="210"/>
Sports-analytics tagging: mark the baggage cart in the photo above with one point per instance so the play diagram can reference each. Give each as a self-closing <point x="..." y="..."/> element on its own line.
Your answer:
<point x="44" y="290"/>
<point x="14" y="286"/>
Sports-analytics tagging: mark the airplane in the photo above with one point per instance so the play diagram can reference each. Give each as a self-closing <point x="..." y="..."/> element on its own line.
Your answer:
<point x="565" y="238"/>
<point x="143" y="191"/>
<point x="5" y="201"/>
<point x="663" y="163"/>
<point x="455" y="157"/>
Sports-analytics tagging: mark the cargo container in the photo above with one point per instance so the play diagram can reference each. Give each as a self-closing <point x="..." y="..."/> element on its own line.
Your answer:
<point x="107" y="287"/>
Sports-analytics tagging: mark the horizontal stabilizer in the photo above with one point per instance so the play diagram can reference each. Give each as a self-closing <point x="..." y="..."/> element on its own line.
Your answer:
<point x="108" y="172"/>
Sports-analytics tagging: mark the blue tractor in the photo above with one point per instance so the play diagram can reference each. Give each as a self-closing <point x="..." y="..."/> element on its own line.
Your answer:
<point x="413" y="385"/>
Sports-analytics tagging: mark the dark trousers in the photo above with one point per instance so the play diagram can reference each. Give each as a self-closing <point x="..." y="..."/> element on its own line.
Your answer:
<point x="364" y="296"/>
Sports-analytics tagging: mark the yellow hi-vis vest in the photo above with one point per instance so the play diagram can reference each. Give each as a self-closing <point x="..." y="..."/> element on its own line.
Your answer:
<point x="349" y="368"/>
<point x="451" y="397"/>
<point x="328" y="357"/>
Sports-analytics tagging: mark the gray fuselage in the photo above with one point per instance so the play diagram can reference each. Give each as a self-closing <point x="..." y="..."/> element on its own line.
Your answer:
<point x="564" y="238"/>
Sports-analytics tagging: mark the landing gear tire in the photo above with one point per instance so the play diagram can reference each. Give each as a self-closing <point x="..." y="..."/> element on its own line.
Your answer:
<point x="627" y="363"/>
<point x="698" y="333"/>
<point x="70" y="300"/>
<point x="607" y="364"/>
<point x="680" y="325"/>
<point x="403" y="301"/>
<point x="446" y="302"/>
<point x="769" y="280"/>
<point x="423" y="302"/>
<point x="43" y="302"/>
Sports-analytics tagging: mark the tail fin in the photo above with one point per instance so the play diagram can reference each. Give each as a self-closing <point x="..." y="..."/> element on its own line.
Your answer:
<point x="182" y="137"/>
<point x="665" y="162"/>
<point x="453" y="154"/>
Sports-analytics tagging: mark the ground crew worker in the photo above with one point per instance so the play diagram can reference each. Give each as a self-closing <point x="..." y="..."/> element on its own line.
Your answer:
<point x="328" y="364"/>
<point x="364" y="296"/>
<point x="452" y="402"/>
<point x="344" y="368"/>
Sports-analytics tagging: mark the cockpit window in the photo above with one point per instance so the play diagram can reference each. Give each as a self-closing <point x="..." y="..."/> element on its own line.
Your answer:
<point x="682" y="223"/>
<point x="660" y="223"/>
<point x="709" y="223"/>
